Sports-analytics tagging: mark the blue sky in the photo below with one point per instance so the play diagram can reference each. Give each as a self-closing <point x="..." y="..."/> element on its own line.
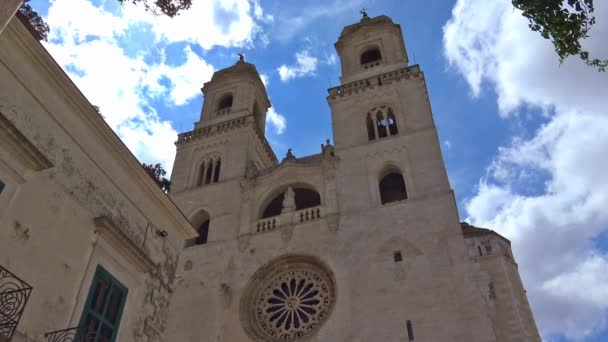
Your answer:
<point x="523" y="137"/>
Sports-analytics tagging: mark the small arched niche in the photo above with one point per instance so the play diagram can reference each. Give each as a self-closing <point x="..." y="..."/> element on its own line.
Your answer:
<point x="225" y="102"/>
<point x="392" y="185"/>
<point x="371" y="54"/>
<point x="305" y="197"/>
<point x="200" y="221"/>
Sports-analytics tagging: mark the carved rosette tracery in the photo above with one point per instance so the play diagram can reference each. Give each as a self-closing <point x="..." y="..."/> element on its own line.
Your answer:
<point x="289" y="299"/>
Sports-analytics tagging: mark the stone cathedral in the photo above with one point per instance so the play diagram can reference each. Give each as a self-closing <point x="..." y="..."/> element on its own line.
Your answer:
<point x="360" y="242"/>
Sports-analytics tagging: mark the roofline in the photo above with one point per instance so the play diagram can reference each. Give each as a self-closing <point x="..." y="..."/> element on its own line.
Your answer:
<point x="98" y="125"/>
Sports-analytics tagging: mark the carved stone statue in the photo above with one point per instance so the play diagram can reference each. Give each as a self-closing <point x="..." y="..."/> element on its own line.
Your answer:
<point x="328" y="149"/>
<point x="289" y="201"/>
<point x="289" y="156"/>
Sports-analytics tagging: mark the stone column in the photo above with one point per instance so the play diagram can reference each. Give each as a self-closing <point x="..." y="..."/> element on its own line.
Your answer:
<point x="7" y="11"/>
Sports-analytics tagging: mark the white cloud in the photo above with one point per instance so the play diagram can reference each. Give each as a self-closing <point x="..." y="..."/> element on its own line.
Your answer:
<point x="306" y="65"/>
<point x="276" y="120"/>
<point x="331" y="59"/>
<point x="290" y="25"/>
<point x="447" y="144"/>
<point x="208" y="23"/>
<point x="186" y="79"/>
<point x="89" y="43"/>
<point x="552" y="227"/>
<point x="265" y="80"/>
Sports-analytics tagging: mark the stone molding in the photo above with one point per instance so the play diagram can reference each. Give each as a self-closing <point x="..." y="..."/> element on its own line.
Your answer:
<point x="20" y="147"/>
<point x="117" y="239"/>
<point x="354" y="88"/>
<point x="56" y="78"/>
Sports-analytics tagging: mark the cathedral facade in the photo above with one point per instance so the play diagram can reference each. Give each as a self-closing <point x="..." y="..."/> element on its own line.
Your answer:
<point x="360" y="242"/>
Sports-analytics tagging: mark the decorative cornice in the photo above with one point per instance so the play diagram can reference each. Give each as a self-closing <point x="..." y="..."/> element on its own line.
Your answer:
<point x="117" y="238"/>
<point x="60" y="82"/>
<point x="369" y="83"/>
<point x="223" y="127"/>
<point x="29" y="156"/>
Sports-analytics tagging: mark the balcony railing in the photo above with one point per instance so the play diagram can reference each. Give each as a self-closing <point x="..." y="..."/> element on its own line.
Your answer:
<point x="14" y="294"/>
<point x="295" y="217"/>
<point x="75" y="334"/>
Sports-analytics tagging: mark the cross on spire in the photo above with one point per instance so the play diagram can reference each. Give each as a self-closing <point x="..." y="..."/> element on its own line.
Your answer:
<point x="363" y="12"/>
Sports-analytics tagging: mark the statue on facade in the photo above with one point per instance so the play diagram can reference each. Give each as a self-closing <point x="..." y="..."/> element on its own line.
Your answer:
<point x="289" y="201"/>
<point x="289" y="156"/>
<point x="328" y="149"/>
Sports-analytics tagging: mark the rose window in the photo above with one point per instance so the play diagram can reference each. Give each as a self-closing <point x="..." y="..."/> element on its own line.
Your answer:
<point x="289" y="302"/>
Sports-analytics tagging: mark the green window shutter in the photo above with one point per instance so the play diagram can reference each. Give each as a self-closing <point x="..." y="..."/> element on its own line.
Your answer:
<point x="103" y="309"/>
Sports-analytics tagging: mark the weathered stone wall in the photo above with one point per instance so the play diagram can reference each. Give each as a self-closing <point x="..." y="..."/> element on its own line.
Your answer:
<point x="48" y="234"/>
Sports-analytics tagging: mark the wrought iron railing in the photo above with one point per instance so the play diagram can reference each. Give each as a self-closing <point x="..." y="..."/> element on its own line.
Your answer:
<point x="14" y="294"/>
<point x="75" y="334"/>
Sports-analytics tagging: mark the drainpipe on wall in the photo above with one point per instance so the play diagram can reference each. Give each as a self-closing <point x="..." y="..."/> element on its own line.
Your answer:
<point x="8" y="8"/>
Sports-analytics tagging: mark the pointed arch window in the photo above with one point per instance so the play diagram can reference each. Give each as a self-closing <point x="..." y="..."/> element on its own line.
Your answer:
<point x="216" y="172"/>
<point x="392" y="187"/>
<point x="392" y="123"/>
<point x="380" y="123"/>
<point x="371" y="133"/>
<point x="209" y="171"/>
<point x="201" y="173"/>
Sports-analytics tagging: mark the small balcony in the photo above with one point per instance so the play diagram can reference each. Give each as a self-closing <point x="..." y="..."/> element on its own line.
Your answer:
<point x="75" y="334"/>
<point x="291" y="218"/>
<point x="14" y="294"/>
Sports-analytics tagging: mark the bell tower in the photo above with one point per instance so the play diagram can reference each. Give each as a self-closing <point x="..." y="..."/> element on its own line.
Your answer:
<point x="370" y="47"/>
<point x="382" y="110"/>
<point x="225" y="143"/>
<point x="234" y="92"/>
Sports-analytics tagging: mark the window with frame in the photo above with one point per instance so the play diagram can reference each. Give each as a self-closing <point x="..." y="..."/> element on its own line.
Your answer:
<point x="103" y="309"/>
<point x="381" y="123"/>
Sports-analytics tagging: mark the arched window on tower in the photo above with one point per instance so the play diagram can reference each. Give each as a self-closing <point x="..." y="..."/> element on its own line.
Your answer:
<point x="371" y="134"/>
<point x="381" y="123"/>
<point x="201" y="174"/>
<point x="201" y="221"/>
<point x="392" y="187"/>
<point x="224" y="104"/>
<point x="392" y="123"/>
<point x="203" y="233"/>
<point x="209" y="172"/>
<point x="216" y="172"/>
<point x="371" y="55"/>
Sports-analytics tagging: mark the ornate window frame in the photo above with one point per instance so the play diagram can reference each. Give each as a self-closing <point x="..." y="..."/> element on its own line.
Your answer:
<point x="288" y="299"/>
